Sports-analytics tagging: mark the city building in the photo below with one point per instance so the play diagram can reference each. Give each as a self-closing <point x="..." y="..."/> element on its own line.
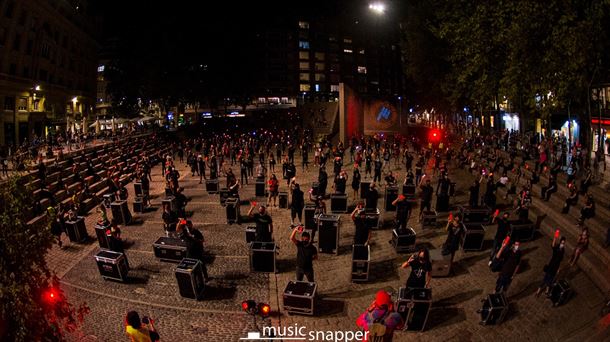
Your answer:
<point x="48" y="58"/>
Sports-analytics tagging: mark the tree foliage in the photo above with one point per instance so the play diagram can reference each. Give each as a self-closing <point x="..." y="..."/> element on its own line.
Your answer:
<point x="541" y="55"/>
<point x="26" y="312"/>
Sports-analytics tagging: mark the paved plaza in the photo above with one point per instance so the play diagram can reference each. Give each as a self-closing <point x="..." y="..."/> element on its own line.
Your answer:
<point x="152" y="289"/>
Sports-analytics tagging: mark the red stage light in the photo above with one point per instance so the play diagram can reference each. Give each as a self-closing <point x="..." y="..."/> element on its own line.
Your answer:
<point x="264" y="309"/>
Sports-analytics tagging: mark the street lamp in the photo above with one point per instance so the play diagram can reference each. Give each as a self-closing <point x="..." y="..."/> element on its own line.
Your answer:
<point x="377" y="7"/>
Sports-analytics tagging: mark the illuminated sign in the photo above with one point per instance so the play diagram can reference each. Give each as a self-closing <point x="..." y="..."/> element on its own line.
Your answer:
<point x="206" y="115"/>
<point x="384" y="114"/>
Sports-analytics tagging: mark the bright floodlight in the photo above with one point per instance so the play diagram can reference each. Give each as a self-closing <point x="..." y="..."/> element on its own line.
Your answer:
<point x="377" y="7"/>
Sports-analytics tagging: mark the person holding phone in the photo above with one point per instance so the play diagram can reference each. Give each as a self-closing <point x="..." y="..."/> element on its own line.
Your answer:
<point x="420" y="269"/>
<point x="306" y="254"/>
<point x="140" y="330"/>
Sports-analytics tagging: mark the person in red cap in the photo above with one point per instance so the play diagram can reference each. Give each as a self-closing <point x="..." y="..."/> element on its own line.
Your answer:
<point x="380" y="320"/>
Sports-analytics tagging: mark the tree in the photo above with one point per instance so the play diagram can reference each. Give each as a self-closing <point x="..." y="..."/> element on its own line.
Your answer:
<point x="32" y="304"/>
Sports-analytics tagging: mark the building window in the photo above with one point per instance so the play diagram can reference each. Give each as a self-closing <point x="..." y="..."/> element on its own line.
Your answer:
<point x="334" y="67"/>
<point x="9" y="103"/>
<point x="23" y="104"/>
<point x="10" y="7"/>
<point x="320" y="77"/>
<point x="304" y="87"/>
<point x="317" y="87"/>
<point x="361" y="69"/>
<point x="262" y="100"/>
<point x="100" y="68"/>
<point x="347" y="40"/>
<point x="17" y="42"/>
<point x="334" y="88"/>
<point x="36" y="105"/>
<point x="304" y="76"/>
<point x="361" y="51"/>
<point x="348" y="51"/>
<point x="332" y="39"/>
<point x="303" y="54"/>
<point x="320" y="66"/>
<point x="320" y="56"/>
<point x="304" y="65"/>
<point x="303" y="45"/>
<point x="303" y="25"/>
<point x="285" y="100"/>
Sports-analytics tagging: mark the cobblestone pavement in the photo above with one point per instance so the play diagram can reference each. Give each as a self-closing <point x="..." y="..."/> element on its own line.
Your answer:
<point x="152" y="288"/>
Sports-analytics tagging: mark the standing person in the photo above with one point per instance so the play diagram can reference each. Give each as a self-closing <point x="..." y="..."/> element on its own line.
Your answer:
<point x="511" y="259"/>
<point x="273" y="187"/>
<point x="243" y="170"/>
<point x="372" y="197"/>
<point x="356" y="182"/>
<point x="377" y="170"/>
<point x="271" y="162"/>
<point x="138" y="332"/>
<point x="552" y="267"/>
<point x="420" y="269"/>
<point x="418" y="171"/>
<point x="455" y="230"/>
<point x="340" y="182"/>
<point x="367" y="164"/>
<point x="501" y="234"/>
<point x="362" y="234"/>
<point x="322" y="181"/>
<point x="379" y="321"/>
<point x="264" y="223"/>
<point x="426" y="197"/>
<point x="474" y="193"/>
<point x="581" y="246"/>
<point x="297" y="204"/>
<point x="403" y="211"/>
<point x="305" y="157"/>
<point x="306" y="254"/>
<point x="201" y="168"/>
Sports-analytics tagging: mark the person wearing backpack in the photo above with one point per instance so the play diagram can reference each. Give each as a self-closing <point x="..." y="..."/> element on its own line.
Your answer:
<point x="379" y="321"/>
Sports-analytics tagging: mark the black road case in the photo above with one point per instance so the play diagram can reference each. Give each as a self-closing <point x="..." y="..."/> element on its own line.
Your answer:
<point x="364" y="189"/>
<point x="361" y="260"/>
<point x="120" y="212"/>
<point x="494" y="309"/>
<point x="403" y="240"/>
<point x="391" y="193"/>
<point x="259" y="188"/>
<point x="560" y="292"/>
<point x="475" y="216"/>
<point x="232" y="209"/>
<point x="262" y="257"/>
<point x="112" y="265"/>
<point x="299" y="297"/>
<point x="372" y="218"/>
<point x="283" y="199"/>
<point x="473" y="237"/>
<point x="76" y="230"/>
<point x="522" y="230"/>
<point x="189" y="275"/>
<point x="102" y="236"/>
<point x="429" y="220"/>
<point x="310" y="219"/>
<point x="211" y="186"/>
<point x="441" y="264"/>
<point x="170" y="249"/>
<point x="171" y="202"/>
<point x="250" y="234"/>
<point x="328" y="233"/>
<point x="338" y="203"/>
<point x="414" y="305"/>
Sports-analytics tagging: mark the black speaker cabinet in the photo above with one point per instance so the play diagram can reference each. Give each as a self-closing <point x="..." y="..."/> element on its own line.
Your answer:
<point x="361" y="259"/>
<point x="250" y="234"/>
<point x="414" y="305"/>
<point x="299" y="297"/>
<point x="473" y="237"/>
<point x="170" y="249"/>
<point x="403" y="240"/>
<point x="522" y="230"/>
<point x="283" y="199"/>
<point x="475" y="216"/>
<point x="372" y="218"/>
<point x="112" y="265"/>
<point x="102" y="236"/>
<point x="494" y="309"/>
<point x="338" y="203"/>
<point x="442" y="203"/>
<point x="76" y="230"/>
<point x="108" y="199"/>
<point x="408" y="190"/>
<point x="364" y="189"/>
<point x="262" y="257"/>
<point x="259" y="188"/>
<point x="189" y="275"/>
<point x="120" y="212"/>
<point x="211" y="186"/>
<point x="138" y="204"/>
<point x="232" y="209"/>
<point x="137" y="189"/>
<point x="328" y="233"/>
<point x="171" y="202"/>
<point x="391" y="193"/>
<point x="223" y="195"/>
<point x="315" y="188"/>
<point x="560" y="292"/>
<point x="310" y="219"/>
<point x="429" y="220"/>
